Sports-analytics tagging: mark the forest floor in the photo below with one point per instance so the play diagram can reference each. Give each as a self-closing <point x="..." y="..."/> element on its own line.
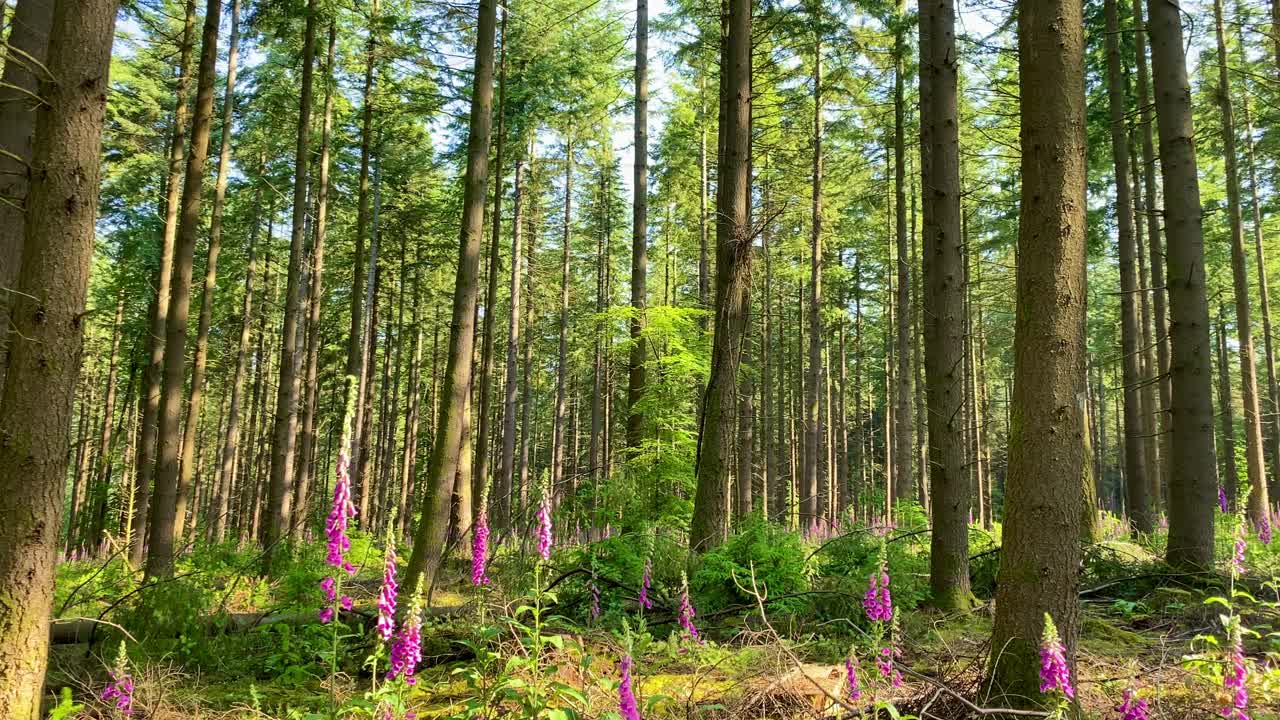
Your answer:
<point x="216" y="643"/>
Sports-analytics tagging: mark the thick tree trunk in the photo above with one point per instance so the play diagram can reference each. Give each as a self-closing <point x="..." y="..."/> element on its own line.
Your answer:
<point x="168" y="503"/>
<point x="639" y="229"/>
<point x="428" y="541"/>
<point x="284" y="437"/>
<point x="903" y="442"/>
<point x="704" y="263"/>
<point x="1191" y="460"/>
<point x="1259" y="505"/>
<point x="1137" y="500"/>
<point x="733" y="273"/>
<point x="1043" y="520"/>
<point x="28" y="38"/>
<point x="502" y="500"/>
<point x="942" y="266"/>
<point x="153" y="375"/>
<point x="44" y="359"/>
<point x="311" y="380"/>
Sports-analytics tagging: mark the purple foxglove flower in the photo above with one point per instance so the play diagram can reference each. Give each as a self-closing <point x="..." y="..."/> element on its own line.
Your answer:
<point x="1131" y="706"/>
<point x="326" y="615"/>
<point x="480" y="550"/>
<point x="343" y="510"/>
<point x="627" y="707"/>
<point x="645" y="583"/>
<point x="387" y="596"/>
<point x="1222" y="499"/>
<point x="1237" y="555"/>
<point x="851" y="680"/>
<point x="595" y="601"/>
<point x="884" y="664"/>
<point x="1264" y="531"/>
<point x="544" y="529"/>
<point x="686" y="613"/>
<point x="406" y="653"/>
<point x="878" y="602"/>
<point x="330" y="592"/>
<point x="347" y="603"/>
<point x="1054" y="673"/>
<point x="119" y="691"/>
<point x="1234" y="682"/>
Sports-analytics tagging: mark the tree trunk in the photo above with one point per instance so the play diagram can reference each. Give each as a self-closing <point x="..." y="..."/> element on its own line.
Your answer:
<point x="562" y="362"/>
<point x="231" y="442"/>
<point x="359" y="294"/>
<point x="904" y="480"/>
<point x="1040" y="555"/>
<point x="428" y="541"/>
<point x="93" y="538"/>
<point x="1159" y="477"/>
<point x="168" y="503"/>
<point x="812" y="420"/>
<point x="491" y="293"/>
<point x="44" y="359"/>
<point x="704" y="263"/>
<point x="1137" y="501"/>
<point x="639" y="229"/>
<point x="733" y="273"/>
<point x="506" y="468"/>
<point x="1226" y="414"/>
<point x="1191" y="460"/>
<point x="280" y="487"/>
<point x="28" y="36"/>
<point x="1146" y="349"/>
<point x="311" y="381"/>
<point x="187" y="466"/>
<point x="1259" y="505"/>
<point x="153" y="375"/>
<point x="942" y="270"/>
<point x="1264" y="300"/>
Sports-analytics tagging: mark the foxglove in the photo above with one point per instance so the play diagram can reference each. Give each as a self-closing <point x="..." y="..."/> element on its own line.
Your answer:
<point x="851" y="679"/>
<point x="1054" y="673"/>
<point x="387" y="596"/>
<point x="1234" y="681"/>
<point x="480" y="550"/>
<point x="645" y="582"/>
<point x="627" y="707"/>
<point x="544" y="529"/>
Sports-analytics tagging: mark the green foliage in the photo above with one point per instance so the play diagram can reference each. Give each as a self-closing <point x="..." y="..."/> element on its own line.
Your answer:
<point x="722" y="578"/>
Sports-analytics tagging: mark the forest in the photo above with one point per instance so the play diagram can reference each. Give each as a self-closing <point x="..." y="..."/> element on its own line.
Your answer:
<point x="600" y="360"/>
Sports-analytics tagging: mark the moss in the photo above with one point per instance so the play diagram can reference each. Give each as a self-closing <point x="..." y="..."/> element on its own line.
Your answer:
<point x="1100" y="637"/>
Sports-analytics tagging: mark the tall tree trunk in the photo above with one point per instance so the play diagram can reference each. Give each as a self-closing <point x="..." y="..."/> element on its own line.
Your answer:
<point x="733" y="273"/>
<point x="28" y="41"/>
<point x="1137" y="499"/>
<point x="491" y="292"/>
<point x="44" y="359"/>
<point x="639" y="229"/>
<point x="942" y="270"/>
<point x="168" y="503"/>
<point x="1226" y="415"/>
<point x="1264" y="298"/>
<point x="359" y="293"/>
<point x="904" y="480"/>
<point x="231" y="436"/>
<point x="1160" y="477"/>
<point x="1259" y="505"/>
<point x="812" y="420"/>
<point x="92" y="538"/>
<point x="280" y="488"/>
<point x="1040" y="556"/>
<point x="770" y="501"/>
<point x="311" y="380"/>
<point x="562" y="362"/>
<point x="704" y="262"/>
<point x="506" y="468"/>
<point x="1191" y="459"/>
<point x="746" y="429"/>
<point x="195" y="399"/>
<point x="1146" y="347"/>
<point x="153" y="375"/>
<point x="428" y="542"/>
